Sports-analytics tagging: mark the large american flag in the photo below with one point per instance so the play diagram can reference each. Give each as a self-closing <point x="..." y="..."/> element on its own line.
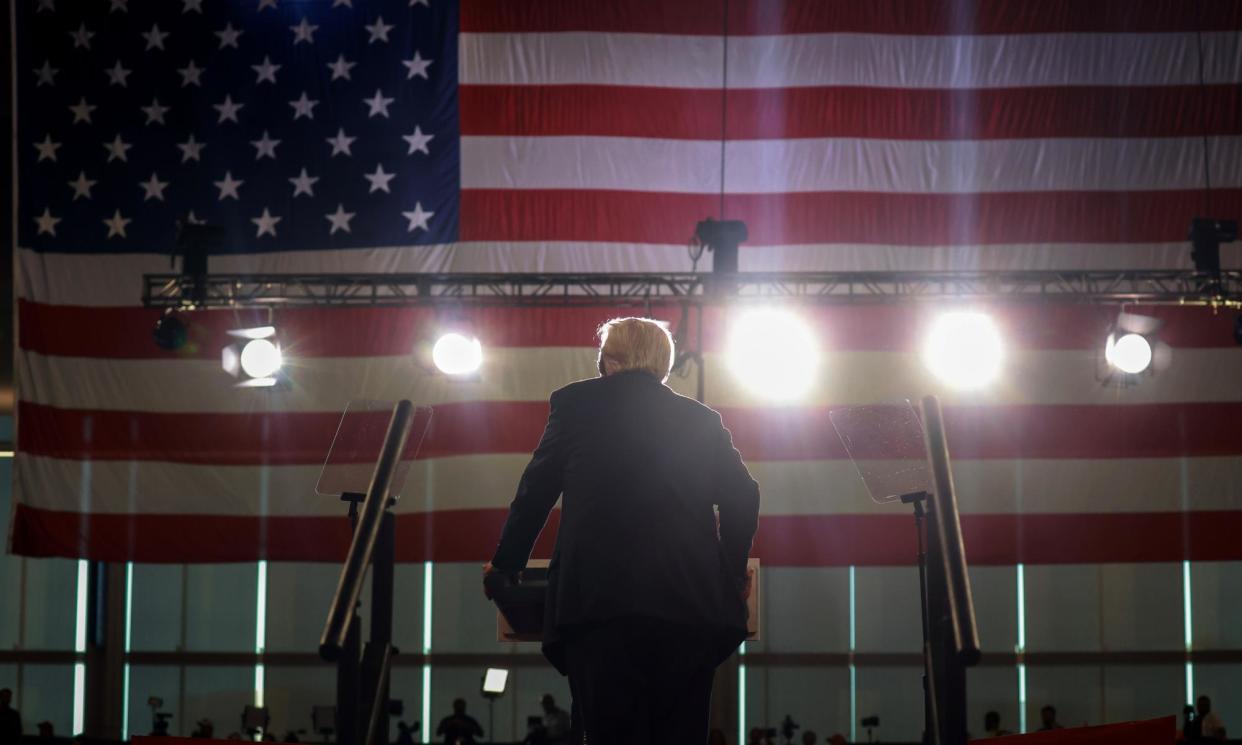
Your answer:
<point x="513" y="135"/>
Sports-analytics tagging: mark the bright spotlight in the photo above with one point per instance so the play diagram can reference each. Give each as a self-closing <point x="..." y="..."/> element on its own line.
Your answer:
<point x="773" y="353"/>
<point x="964" y="349"/>
<point x="1130" y="354"/>
<point x="255" y="358"/>
<point x="455" y="354"/>
<point x="260" y="358"/>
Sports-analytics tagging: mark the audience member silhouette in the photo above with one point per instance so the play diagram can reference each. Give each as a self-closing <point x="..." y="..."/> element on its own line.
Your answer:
<point x="1048" y="718"/>
<point x="10" y="719"/>
<point x="459" y="728"/>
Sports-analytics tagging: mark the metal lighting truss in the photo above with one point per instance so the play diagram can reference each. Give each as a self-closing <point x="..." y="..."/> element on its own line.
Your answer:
<point x="285" y="290"/>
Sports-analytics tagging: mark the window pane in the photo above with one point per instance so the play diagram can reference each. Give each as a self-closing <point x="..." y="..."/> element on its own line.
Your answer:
<point x="220" y="607"/>
<point x="817" y="698"/>
<point x="298" y="596"/>
<point x="992" y="688"/>
<point x="527" y="685"/>
<point x="1142" y="606"/>
<point x="1216" y="606"/>
<point x="156" y="611"/>
<point x="806" y="609"/>
<point x="1142" y="692"/>
<point x="465" y="621"/>
<point x="995" y="591"/>
<point x="1073" y="690"/>
<point x="406" y="686"/>
<point x="407" y="624"/>
<point x="51" y="603"/>
<point x="10" y="566"/>
<point x="895" y="695"/>
<point x="1063" y="608"/>
<point x="290" y="693"/>
<point x="448" y="683"/>
<point x="889" y="614"/>
<point x="47" y="696"/>
<point x="160" y="681"/>
<point x="218" y="694"/>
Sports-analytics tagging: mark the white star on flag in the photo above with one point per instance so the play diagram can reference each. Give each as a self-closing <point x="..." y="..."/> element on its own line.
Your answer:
<point x="266" y="224"/>
<point x="266" y="71"/>
<point x="47" y="74"/>
<point x="339" y="219"/>
<point x="267" y="4"/>
<point x="82" y="111"/>
<point x="154" y="188"/>
<point x="155" y="38"/>
<point x="229" y="36"/>
<point x="303" y="184"/>
<point x="228" y="110"/>
<point x="379" y="180"/>
<point x="265" y="147"/>
<point x="378" y="104"/>
<point x="47" y="149"/>
<point x="116" y="225"/>
<point x="349" y="3"/>
<point x="121" y="5"/>
<point x="420" y="2"/>
<point x="340" y="144"/>
<point x="228" y="187"/>
<point x="303" y="107"/>
<point x="378" y="30"/>
<point x="81" y="187"/>
<point x="418" y="141"/>
<point x="417" y="66"/>
<point x="117" y="75"/>
<point x="191" y="150"/>
<point x="303" y="32"/>
<point x="46" y="5"/>
<point x="47" y="222"/>
<point x="418" y="217"/>
<point x="117" y="150"/>
<point x="340" y="68"/>
<point x="192" y="5"/>
<point x="154" y="112"/>
<point x="81" y="37"/>
<point x="191" y="74"/>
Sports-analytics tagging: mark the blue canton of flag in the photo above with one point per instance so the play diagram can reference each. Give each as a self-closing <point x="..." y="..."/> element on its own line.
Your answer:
<point x="307" y="124"/>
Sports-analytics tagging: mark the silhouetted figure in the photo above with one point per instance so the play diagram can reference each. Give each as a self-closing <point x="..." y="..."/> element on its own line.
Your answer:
<point x="809" y="737"/>
<point x="992" y="725"/>
<point x="1048" y="719"/>
<point x="1208" y="725"/>
<point x="459" y="728"/>
<point x="555" y="721"/>
<point x="10" y="720"/>
<point x="405" y="733"/>
<point x="646" y="590"/>
<point x="717" y="737"/>
<point x="46" y="730"/>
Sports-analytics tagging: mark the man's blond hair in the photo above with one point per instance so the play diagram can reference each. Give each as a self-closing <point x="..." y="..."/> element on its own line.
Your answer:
<point x="636" y="344"/>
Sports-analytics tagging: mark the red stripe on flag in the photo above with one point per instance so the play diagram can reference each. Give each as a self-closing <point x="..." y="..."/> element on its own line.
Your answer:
<point x="471" y="535"/>
<point x="760" y="434"/>
<point x="921" y="17"/>
<point x="837" y="217"/>
<point x="310" y="333"/>
<point x="879" y="113"/>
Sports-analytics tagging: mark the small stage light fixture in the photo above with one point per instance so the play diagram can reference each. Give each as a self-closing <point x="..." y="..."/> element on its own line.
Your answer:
<point x="171" y="332"/>
<point x="773" y="353"/>
<point x="1132" y="347"/>
<point x="457" y="354"/>
<point x="964" y="349"/>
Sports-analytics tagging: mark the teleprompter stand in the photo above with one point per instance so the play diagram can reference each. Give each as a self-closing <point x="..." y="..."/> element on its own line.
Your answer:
<point x="367" y="465"/>
<point x="902" y="458"/>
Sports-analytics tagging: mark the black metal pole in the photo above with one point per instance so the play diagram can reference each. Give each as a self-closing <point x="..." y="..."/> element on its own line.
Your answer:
<point x="347" y="672"/>
<point x="349" y="587"/>
<point x="377" y="660"/>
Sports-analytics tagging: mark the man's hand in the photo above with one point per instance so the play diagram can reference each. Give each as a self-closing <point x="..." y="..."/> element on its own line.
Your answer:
<point x="747" y="583"/>
<point x="488" y="570"/>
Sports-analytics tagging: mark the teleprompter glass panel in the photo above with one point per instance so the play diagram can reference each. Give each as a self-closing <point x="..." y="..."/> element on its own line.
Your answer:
<point x="885" y="441"/>
<point x="357" y="445"/>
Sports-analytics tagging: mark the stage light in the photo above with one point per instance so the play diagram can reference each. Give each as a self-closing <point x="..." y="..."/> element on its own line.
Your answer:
<point x="170" y="332"/>
<point x="456" y="354"/>
<point x="260" y="358"/>
<point x="255" y="359"/>
<point x="773" y="352"/>
<point x="1131" y="353"/>
<point x="964" y="349"/>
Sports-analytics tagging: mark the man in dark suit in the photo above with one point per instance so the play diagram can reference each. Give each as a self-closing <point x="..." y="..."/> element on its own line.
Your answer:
<point x="646" y="587"/>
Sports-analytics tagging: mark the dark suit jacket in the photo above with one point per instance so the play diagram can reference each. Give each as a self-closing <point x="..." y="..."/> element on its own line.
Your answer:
<point x="640" y="468"/>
